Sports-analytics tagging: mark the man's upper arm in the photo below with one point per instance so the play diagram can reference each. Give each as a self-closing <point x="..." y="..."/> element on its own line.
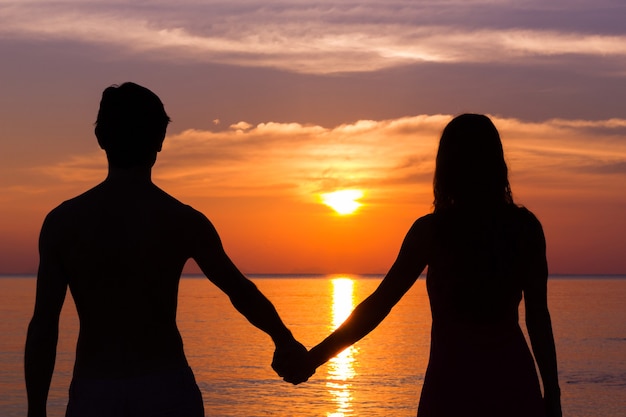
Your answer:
<point x="51" y="276"/>
<point x="209" y="254"/>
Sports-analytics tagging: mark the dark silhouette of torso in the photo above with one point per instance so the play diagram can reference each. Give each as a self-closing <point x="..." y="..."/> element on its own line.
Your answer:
<point x="124" y="248"/>
<point x="476" y="274"/>
<point x="121" y="248"/>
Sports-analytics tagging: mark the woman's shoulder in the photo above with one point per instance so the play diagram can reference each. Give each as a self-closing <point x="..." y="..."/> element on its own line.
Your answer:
<point x="510" y="215"/>
<point x="425" y="223"/>
<point x="525" y="216"/>
<point x="423" y="231"/>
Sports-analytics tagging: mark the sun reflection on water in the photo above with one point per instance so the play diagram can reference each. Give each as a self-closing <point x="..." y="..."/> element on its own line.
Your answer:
<point x="341" y="367"/>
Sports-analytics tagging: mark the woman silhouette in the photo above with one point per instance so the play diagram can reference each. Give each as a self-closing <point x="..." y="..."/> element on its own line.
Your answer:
<point x="483" y="253"/>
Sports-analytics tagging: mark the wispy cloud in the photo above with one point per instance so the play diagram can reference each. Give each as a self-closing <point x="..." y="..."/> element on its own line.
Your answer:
<point x="389" y="158"/>
<point x="320" y="38"/>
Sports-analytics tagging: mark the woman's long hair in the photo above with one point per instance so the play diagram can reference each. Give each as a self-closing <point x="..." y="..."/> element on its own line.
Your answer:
<point x="470" y="169"/>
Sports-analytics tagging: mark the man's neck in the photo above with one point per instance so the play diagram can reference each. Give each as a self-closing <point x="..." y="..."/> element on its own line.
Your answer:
<point x="134" y="176"/>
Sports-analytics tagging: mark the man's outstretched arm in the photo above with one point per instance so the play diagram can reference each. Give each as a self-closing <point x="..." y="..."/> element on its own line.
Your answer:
<point x="41" y="339"/>
<point x="245" y="296"/>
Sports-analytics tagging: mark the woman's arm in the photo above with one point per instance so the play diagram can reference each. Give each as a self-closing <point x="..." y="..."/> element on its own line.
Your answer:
<point x="538" y="320"/>
<point x="409" y="264"/>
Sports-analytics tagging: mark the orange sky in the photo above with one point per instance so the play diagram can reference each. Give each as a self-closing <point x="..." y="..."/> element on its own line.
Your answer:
<point x="261" y="187"/>
<point x="275" y="103"/>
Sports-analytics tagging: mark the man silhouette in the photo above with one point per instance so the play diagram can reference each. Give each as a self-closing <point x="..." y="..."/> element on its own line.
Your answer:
<point x="121" y="248"/>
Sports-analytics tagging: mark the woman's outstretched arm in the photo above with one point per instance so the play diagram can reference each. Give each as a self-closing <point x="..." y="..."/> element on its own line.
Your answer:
<point x="409" y="264"/>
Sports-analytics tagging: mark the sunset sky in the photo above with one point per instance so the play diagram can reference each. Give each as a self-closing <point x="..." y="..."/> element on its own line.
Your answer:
<point x="275" y="103"/>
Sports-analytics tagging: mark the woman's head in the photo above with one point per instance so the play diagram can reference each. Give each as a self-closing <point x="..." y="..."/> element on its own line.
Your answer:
<point x="470" y="168"/>
<point x="131" y="125"/>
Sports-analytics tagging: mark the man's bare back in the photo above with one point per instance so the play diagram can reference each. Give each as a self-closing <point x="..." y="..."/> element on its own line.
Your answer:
<point x="123" y="249"/>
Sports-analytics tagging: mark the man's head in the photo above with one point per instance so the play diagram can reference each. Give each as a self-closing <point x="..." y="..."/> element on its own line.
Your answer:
<point x="131" y="125"/>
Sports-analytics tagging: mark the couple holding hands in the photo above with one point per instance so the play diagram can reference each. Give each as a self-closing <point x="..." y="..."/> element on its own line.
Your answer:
<point x="121" y="246"/>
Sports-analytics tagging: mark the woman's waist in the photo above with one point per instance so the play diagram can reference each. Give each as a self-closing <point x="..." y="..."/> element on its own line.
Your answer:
<point x="473" y="329"/>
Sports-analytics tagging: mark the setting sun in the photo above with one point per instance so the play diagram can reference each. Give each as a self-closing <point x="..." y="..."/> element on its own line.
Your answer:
<point x="343" y="201"/>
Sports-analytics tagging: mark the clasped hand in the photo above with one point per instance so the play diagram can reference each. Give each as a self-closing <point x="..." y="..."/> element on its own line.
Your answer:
<point x="293" y="363"/>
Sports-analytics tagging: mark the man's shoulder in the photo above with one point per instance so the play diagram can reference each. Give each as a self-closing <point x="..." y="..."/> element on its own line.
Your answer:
<point x="69" y="207"/>
<point x="97" y="202"/>
<point x="180" y="208"/>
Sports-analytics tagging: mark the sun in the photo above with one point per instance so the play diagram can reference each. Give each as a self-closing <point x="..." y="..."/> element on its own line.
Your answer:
<point x="343" y="201"/>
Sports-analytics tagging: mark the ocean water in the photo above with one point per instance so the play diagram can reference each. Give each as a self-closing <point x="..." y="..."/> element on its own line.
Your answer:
<point x="381" y="375"/>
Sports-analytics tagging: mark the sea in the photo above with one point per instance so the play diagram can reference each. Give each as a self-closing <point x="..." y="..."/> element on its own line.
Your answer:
<point x="381" y="375"/>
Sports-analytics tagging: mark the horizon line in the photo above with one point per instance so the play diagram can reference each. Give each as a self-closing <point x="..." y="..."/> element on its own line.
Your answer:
<point x="317" y="275"/>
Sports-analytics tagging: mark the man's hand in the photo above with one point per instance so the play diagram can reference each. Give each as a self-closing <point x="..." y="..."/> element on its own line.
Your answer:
<point x="291" y="362"/>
